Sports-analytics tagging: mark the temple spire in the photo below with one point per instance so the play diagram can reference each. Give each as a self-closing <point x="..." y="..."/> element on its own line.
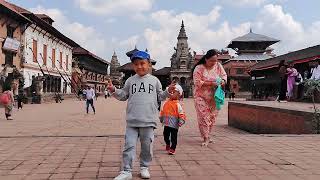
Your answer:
<point x="114" y="66"/>
<point x="182" y="33"/>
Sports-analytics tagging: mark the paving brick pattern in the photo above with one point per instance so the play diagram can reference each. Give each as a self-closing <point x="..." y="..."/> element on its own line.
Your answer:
<point x="58" y="141"/>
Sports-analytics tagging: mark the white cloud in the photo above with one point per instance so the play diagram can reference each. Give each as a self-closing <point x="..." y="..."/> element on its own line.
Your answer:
<point x="271" y="21"/>
<point x="90" y="37"/>
<point x="87" y="36"/>
<point x="160" y="36"/>
<point x="161" y="41"/>
<point x="114" y="7"/>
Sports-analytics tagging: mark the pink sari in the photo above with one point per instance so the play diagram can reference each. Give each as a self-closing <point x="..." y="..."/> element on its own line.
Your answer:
<point x="203" y="97"/>
<point x="292" y="73"/>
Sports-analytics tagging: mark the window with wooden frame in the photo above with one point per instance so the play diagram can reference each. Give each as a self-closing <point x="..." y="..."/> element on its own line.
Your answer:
<point x="9" y="58"/>
<point x="10" y="31"/>
<point x="35" y="50"/>
<point x="44" y="54"/>
<point x="67" y="62"/>
<point x="53" y="58"/>
<point x="60" y="60"/>
<point x="240" y="71"/>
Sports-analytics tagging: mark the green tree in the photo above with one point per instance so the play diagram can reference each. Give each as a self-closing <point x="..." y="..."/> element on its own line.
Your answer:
<point x="312" y="89"/>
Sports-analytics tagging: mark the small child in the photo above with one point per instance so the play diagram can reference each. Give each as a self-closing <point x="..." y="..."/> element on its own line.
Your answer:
<point x="141" y="91"/>
<point x="172" y="117"/>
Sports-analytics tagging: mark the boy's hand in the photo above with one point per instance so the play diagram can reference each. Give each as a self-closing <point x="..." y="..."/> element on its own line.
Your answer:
<point x="181" y="122"/>
<point x="223" y="82"/>
<point x="172" y="87"/>
<point x="110" y="86"/>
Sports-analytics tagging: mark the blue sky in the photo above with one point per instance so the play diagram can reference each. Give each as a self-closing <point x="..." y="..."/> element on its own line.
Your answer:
<point x="103" y="26"/>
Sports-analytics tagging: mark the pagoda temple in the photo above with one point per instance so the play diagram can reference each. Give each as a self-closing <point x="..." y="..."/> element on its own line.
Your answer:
<point x="250" y="49"/>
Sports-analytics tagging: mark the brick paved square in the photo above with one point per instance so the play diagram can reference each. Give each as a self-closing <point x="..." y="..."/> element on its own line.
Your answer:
<point x="73" y="145"/>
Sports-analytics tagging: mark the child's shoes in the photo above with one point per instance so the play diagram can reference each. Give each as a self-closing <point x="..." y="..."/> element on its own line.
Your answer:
<point x="124" y="175"/>
<point x="172" y="152"/>
<point x="167" y="148"/>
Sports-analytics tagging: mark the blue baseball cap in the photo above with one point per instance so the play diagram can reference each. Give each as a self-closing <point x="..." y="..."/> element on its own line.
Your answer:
<point x="140" y="55"/>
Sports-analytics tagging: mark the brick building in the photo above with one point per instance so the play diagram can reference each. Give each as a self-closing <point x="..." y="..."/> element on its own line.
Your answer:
<point x="12" y="26"/>
<point x="94" y="70"/>
<point x="46" y="54"/>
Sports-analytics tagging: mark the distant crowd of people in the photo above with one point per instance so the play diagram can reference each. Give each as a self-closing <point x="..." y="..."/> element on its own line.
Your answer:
<point x="289" y="77"/>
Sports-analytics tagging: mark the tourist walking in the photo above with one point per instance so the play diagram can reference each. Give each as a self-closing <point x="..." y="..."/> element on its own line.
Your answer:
<point x="7" y="100"/>
<point x="283" y="81"/>
<point x="205" y="74"/>
<point x="90" y="94"/>
<point x="292" y="73"/>
<point x="141" y="91"/>
<point x="172" y="116"/>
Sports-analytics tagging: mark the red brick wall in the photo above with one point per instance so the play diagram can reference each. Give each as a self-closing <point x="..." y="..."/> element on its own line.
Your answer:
<point x="4" y="21"/>
<point x="267" y="120"/>
<point x="231" y="67"/>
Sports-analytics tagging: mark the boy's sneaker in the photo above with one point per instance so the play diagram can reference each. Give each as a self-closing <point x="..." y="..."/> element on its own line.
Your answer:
<point x="144" y="172"/>
<point x="172" y="152"/>
<point x="124" y="175"/>
<point x="167" y="148"/>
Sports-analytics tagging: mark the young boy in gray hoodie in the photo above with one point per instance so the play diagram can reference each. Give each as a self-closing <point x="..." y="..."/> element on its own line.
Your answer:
<point x="141" y="91"/>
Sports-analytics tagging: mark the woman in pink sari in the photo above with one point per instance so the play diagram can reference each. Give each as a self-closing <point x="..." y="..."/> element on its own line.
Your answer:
<point x="292" y="73"/>
<point x="205" y="73"/>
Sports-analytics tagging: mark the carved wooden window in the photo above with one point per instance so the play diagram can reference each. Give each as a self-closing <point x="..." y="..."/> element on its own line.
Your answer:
<point x="10" y="31"/>
<point x="45" y="54"/>
<point x="53" y="57"/>
<point x="35" y="50"/>
<point x="67" y="62"/>
<point x="60" y="60"/>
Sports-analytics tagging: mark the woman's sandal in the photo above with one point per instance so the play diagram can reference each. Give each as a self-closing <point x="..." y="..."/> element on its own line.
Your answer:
<point x="204" y="144"/>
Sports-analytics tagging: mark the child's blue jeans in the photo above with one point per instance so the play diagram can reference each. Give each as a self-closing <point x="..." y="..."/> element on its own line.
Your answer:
<point x="146" y="135"/>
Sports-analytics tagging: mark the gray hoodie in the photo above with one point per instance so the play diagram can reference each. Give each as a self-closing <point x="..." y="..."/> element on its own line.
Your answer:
<point x="141" y="93"/>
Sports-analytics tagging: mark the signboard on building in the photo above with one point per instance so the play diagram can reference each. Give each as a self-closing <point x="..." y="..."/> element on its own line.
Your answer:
<point x="11" y="45"/>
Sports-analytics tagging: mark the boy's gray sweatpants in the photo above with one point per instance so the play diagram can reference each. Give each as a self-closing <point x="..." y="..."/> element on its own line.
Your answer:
<point x="146" y="135"/>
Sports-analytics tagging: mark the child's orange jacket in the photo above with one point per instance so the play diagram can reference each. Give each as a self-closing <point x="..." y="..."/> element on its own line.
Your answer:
<point x="172" y="114"/>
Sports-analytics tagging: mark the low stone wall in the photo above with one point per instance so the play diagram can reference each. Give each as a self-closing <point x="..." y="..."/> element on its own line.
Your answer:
<point x="49" y="98"/>
<point x="268" y="120"/>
